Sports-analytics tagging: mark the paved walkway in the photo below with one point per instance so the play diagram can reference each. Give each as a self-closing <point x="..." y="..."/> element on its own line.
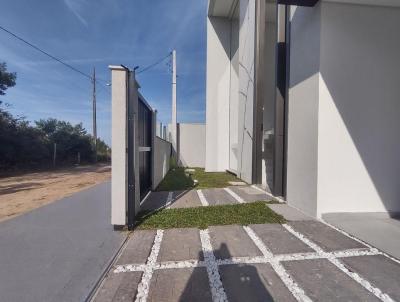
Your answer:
<point x="59" y="251"/>
<point x="379" y="229"/>
<point x="203" y="197"/>
<point x="301" y="260"/>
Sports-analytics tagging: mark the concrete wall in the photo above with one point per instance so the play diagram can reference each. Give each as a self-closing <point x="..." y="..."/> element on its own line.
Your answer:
<point x="191" y="145"/>
<point x="343" y="123"/>
<point x="217" y="94"/>
<point x="246" y="88"/>
<point x="302" y="148"/>
<point x="234" y="96"/>
<point x="162" y="154"/>
<point x="359" y="109"/>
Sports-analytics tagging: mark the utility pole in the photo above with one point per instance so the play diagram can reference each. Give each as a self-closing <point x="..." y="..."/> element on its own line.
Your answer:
<point x="94" y="115"/>
<point x="173" y="119"/>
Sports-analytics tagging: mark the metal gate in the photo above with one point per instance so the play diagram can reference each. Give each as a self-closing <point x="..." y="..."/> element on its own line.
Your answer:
<point x="144" y="139"/>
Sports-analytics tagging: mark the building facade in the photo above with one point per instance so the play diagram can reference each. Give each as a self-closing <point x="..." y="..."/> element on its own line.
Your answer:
<point x="303" y="98"/>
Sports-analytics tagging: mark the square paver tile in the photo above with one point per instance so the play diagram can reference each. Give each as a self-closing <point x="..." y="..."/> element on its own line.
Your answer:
<point x="180" y="245"/>
<point x="185" y="199"/>
<point x="218" y="197"/>
<point x="189" y="284"/>
<point x="138" y="248"/>
<point x="154" y="201"/>
<point x="232" y="241"/>
<point x="326" y="237"/>
<point x="278" y="240"/>
<point x="322" y="281"/>
<point x="289" y="213"/>
<point x="119" y="287"/>
<point x="256" y="282"/>
<point x="379" y="270"/>
<point x="250" y="194"/>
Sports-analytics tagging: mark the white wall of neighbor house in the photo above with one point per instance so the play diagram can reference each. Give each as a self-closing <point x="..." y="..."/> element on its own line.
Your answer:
<point x="192" y="144"/>
<point x="230" y="88"/>
<point x="234" y="94"/>
<point x="217" y="94"/>
<point x="359" y="107"/>
<point x="118" y="143"/>
<point x="247" y="15"/>
<point x="162" y="154"/>
<point x="343" y="123"/>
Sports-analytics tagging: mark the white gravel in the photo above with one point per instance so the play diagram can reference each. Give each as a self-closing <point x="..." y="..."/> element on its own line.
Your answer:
<point x="217" y="289"/>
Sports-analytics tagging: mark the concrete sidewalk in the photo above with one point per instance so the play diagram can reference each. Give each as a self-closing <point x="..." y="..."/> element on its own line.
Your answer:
<point x="58" y="252"/>
<point x="378" y="229"/>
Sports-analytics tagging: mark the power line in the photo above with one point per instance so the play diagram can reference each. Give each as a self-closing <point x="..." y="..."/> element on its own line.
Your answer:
<point x="47" y="54"/>
<point x="154" y="64"/>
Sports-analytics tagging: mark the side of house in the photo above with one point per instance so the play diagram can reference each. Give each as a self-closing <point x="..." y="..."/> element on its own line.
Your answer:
<point x="304" y="100"/>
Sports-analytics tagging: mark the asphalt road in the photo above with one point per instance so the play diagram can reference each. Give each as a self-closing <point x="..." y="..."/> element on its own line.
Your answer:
<point x="58" y="252"/>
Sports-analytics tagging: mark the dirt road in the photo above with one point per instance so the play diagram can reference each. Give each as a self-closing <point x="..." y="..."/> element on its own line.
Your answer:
<point x="23" y="193"/>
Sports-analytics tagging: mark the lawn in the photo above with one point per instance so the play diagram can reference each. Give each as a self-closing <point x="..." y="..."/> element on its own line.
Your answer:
<point x="202" y="217"/>
<point x="176" y="179"/>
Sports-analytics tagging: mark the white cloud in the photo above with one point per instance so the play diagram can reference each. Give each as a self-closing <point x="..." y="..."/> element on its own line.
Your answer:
<point x="76" y="7"/>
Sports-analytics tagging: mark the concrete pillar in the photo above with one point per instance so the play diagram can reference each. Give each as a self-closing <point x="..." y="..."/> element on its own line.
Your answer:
<point x="119" y="145"/>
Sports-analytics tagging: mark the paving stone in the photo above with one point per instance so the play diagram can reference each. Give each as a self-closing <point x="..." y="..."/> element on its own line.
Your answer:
<point x="232" y="241"/>
<point x="326" y="237"/>
<point x="185" y="199"/>
<point x="322" y="281"/>
<point x="218" y="197"/>
<point x="154" y="201"/>
<point x="289" y="213"/>
<point x="278" y="240"/>
<point x="180" y="244"/>
<point x="119" y="287"/>
<point x="250" y="194"/>
<point x="138" y="248"/>
<point x="379" y="270"/>
<point x="189" y="284"/>
<point x="257" y="282"/>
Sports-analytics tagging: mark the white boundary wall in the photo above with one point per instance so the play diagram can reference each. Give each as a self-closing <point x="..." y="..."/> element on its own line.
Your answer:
<point x="162" y="154"/>
<point x="192" y="145"/>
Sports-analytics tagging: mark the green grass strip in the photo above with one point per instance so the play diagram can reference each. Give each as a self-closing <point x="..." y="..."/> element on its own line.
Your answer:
<point x="202" y="217"/>
<point x="176" y="179"/>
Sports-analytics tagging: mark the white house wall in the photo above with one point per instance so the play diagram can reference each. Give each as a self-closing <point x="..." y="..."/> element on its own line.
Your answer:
<point x="359" y="145"/>
<point x="302" y="148"/>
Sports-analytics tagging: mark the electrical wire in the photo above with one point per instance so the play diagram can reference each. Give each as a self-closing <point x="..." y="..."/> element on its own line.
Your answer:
<point x="47" y="54"/>
<point x="154" y="64"/>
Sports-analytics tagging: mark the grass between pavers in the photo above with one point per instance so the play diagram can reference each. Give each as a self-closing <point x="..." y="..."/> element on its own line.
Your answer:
<point x="202" y="217"/>
<point x="176" y="179"/>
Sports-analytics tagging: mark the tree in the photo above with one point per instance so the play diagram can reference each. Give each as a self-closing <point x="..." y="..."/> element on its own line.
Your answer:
<point x="7" y="79"/>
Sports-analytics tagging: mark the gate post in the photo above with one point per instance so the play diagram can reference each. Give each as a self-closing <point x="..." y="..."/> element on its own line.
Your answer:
<point x="125" y="198"/>
<point x="119" y="177"/>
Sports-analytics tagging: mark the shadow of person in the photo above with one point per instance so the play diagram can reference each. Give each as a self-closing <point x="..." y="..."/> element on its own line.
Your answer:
<point x="241" y="282"/>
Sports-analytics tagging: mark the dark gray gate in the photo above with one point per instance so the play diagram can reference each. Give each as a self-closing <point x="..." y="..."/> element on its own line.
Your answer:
<point x="144" y="132"/>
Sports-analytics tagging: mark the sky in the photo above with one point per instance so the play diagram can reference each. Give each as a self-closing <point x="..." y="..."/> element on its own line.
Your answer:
<point x="91" y="34"/>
